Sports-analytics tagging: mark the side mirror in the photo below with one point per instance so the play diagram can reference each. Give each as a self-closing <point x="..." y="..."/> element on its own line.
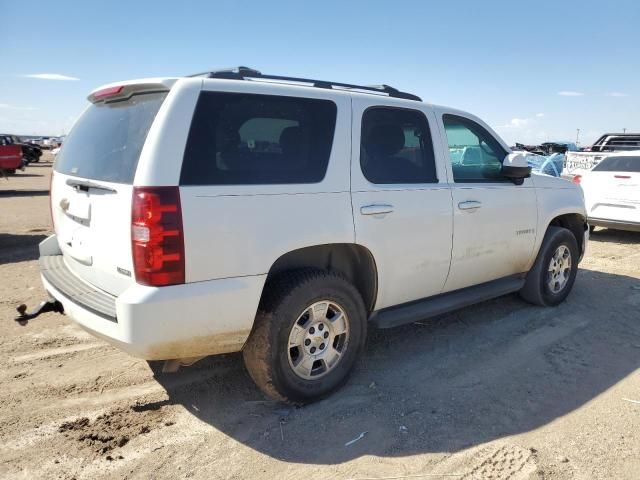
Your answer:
<point x="516" y="168"/>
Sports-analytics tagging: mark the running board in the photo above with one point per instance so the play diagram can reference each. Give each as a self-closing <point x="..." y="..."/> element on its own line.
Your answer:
<point x="445" y="302"/>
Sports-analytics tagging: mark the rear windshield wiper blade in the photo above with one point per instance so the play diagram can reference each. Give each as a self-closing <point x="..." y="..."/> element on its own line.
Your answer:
<point x="86" y="185"/>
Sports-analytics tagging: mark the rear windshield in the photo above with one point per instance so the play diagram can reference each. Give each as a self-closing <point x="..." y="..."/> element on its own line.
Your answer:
<point x="619" y="164"/>
<point x="106" y="141"/>
<point x="248" y="139"/>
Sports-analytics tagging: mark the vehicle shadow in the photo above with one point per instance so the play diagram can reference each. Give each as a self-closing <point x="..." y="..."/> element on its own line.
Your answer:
<point x="25" y="175"/>
<point x="496" y="369"/>
<point x="19" y="247"/>
<point x="616" y="236"/>
<point x="23" y="193"/>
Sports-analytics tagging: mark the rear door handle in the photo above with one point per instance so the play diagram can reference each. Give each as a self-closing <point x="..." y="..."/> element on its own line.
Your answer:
<point x="469" y="205"/>
<point x="376" y="209"/>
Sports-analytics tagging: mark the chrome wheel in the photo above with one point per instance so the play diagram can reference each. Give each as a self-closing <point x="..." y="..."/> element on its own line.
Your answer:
<point x="318" y="339"/>
<point x="559" y="269"/>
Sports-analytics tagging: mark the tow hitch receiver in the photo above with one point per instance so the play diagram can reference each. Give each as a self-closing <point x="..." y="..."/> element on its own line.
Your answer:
<point x="44" y="307"/>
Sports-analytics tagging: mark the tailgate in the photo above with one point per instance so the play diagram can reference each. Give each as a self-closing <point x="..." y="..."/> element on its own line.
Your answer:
<point x="613" y="195"/>
<point x="92" y="188"/>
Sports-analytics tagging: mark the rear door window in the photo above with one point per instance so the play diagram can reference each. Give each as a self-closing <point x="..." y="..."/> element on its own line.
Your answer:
<point x="249" y="139"/>
<point x="105" y="143"/>
<point x="619" y="164"/>
<point x="396" y="147"/>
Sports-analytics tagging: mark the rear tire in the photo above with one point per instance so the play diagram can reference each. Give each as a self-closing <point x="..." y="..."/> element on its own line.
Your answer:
<point x="552" y="276"/>
<point x="310" y="330"/>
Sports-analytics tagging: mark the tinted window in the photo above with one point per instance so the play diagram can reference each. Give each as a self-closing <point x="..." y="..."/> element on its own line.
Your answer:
<point x="105" y="143"/>
<point x="619" y="164"/>
<point x="238" y="139"/>
<point x="396" y="147"/>
<point x="475" y="155"/>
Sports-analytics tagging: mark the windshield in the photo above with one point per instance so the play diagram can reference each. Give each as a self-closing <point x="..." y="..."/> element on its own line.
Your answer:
<point x="619" y="164"/>
<point x="106" y="141"/>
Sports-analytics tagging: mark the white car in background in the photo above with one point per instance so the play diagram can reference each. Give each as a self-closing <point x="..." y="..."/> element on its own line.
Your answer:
<point x="612" y="192"/>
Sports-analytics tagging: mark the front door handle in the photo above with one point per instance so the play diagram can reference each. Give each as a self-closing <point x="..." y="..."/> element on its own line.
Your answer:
<point x="376" y="209"/>
<point x="469" y="205"/>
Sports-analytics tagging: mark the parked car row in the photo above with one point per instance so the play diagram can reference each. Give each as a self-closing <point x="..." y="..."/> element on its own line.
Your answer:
<point x="46" y="142"/>
<point x="30" y="152"/>
<point x="16" y="153"/>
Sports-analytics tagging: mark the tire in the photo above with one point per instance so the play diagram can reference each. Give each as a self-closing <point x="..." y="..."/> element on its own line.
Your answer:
<point x="286" y="307"/>
<point x="591" y="228"/>
<point x="537" y="288"/>
<point x="10" y="171"/>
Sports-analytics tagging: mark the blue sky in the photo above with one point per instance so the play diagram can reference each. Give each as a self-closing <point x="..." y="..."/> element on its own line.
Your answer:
<point x="534" y="71"/>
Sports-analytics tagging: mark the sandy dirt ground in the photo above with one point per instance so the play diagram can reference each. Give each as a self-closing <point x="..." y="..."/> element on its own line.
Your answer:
<point x="500" y="390"/>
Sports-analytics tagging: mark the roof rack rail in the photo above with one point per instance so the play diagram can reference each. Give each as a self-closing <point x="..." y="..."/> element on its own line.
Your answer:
<point x="243" y="73"/>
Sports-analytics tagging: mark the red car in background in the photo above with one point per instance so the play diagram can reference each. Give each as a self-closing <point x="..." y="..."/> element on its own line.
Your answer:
<point x="10" y="157"/>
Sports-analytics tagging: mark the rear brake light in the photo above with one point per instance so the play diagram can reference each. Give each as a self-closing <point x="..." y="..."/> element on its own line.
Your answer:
<point x="577" y="179"/>
<point x="157" y="238"/>
<point x="108" y="92"/>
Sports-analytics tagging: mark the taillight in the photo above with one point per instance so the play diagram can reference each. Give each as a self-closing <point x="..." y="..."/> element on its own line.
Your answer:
<point x="577" y="179"/>
<point x="157" y="239"/>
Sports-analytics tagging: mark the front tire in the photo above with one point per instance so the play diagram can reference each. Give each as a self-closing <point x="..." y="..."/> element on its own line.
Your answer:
<point x="551" y="279"/>
<point x="308" y="334"/>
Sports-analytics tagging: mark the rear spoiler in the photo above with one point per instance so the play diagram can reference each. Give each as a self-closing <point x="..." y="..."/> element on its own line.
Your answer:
<point x="124" y="91"/>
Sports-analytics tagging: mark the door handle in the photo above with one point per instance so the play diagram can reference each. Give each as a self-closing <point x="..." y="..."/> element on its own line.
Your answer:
<point x="376" y="209"/>
<point x="469" y="205"/>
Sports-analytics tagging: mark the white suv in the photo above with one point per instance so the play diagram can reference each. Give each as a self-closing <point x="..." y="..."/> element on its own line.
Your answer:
<point x="282" y="216"/>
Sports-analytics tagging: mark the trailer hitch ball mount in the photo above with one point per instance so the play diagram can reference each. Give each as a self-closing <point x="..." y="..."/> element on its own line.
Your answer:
<point x="44" y="307"/>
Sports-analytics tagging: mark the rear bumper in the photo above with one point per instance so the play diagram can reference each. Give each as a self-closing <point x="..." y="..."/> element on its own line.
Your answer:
<point x="615" y="224"/>
<point x="181" y="321"/>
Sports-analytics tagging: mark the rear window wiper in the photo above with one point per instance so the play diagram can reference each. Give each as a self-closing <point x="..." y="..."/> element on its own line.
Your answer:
<point x="85" y="185"/>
